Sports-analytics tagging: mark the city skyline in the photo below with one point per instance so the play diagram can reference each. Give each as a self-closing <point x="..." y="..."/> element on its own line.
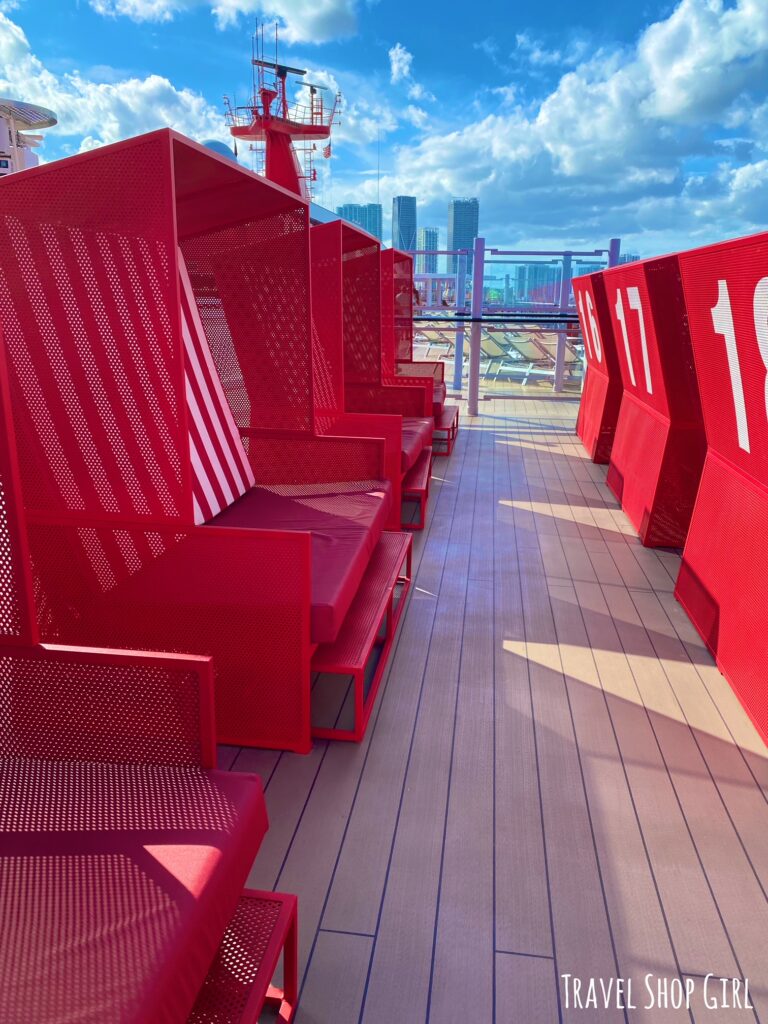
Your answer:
<point x="460" y="228"/>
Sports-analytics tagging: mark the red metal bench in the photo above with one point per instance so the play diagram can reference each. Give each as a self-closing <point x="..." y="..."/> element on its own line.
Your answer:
<point x="601" y="395"/>
<point x="397" y="290"/>
<point x="659" y="445"/>
<point x="340" y="271"/>
<point x="123" y="852"/>
<point x="723" y="579"/>
<point x="128" y="275"/>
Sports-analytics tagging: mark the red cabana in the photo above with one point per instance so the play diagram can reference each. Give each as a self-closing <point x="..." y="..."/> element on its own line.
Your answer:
<point x="172" y="507"/>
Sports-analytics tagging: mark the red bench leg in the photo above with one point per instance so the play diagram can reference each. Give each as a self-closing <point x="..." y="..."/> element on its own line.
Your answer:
<point x="285" y="1000"/>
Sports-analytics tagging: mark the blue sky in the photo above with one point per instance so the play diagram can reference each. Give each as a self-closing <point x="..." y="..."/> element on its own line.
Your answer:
<point x="570" y="122"/>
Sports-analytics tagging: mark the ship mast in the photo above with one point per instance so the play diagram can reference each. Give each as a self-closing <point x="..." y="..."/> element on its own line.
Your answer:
<point x="279" y="132"/>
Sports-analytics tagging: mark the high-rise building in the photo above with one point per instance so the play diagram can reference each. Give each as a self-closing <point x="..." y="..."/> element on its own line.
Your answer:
<point x="367" y="216"/>
<point x="427" y="238"/>
<point x="463" y="221"/>
<point x="404" y="223"/>
<point x="629" y="257"/>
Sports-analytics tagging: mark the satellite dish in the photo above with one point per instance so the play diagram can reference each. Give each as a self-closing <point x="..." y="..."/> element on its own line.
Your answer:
<point x="221" y="148"/>
<point x="27" y="115"/>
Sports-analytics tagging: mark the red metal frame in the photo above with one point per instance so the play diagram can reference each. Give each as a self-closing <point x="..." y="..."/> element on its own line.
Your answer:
<point x="659" y="445"/>
<point x="601" y="396"/>
<point x="89" y="251"/>
<point x="446" y="431"/>
<point x="723" y="579"/>
<point x="416" y="488"/>
<point x="238" y="986"/>
<point x="370" y="639"/>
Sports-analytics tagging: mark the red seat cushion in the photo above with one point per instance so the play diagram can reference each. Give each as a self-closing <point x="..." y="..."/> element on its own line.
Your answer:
<point x="417" y="435"/>
<point x="346" y="522"/>
<point x="116" y="884"/>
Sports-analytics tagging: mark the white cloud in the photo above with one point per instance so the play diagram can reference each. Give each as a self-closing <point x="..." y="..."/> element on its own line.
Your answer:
<point x="418" y="117"/>
<point x="400" y="61"/>
<point x="633" y="140"/>
<point x="535" y="51"/>
<point x="301" y="21"/>
<point x="418" y="92"/>
<point x="92" y="113"/>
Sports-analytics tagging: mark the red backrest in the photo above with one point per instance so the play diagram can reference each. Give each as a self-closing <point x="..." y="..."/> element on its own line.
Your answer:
<point x="361" y="277"/>
<point x="652" y="340"/>
<point x="328" y="321"/>
<point x="726" y="292"/>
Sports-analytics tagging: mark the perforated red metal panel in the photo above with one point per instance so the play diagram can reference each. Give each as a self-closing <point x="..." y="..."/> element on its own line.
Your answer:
<point x="723" y="581"/>
<point x="388" y="341"/>
<point x="362" y="307"/>
<point x="17" y="618"/>
<point x="403" y="289"/>
<point x="89" y="309"/>
<point x="121" y="708"/>
<point x="659" y="445"/>
<point x="601" y="396"/>
<point x="241" y="596"/>
<point x="328" y="323"/>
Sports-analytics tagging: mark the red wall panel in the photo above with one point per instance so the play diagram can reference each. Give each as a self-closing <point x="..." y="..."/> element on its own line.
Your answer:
<point x="659" y="445"/>
<point x="723" y="581"/>
<point x="601" y="397"/>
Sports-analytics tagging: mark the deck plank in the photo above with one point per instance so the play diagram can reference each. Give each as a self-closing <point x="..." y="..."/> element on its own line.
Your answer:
<point x="525" y="990"/>
<point x="556" y="777"/>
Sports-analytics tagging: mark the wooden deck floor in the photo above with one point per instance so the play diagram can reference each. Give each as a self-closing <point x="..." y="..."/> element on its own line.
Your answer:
<point x="556" y="778"/>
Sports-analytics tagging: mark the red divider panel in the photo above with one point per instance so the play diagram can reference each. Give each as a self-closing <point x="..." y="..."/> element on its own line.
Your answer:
<point x="659" y="445"/>
<point x="723" y="581"/>
<point x="601" y="397"/>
